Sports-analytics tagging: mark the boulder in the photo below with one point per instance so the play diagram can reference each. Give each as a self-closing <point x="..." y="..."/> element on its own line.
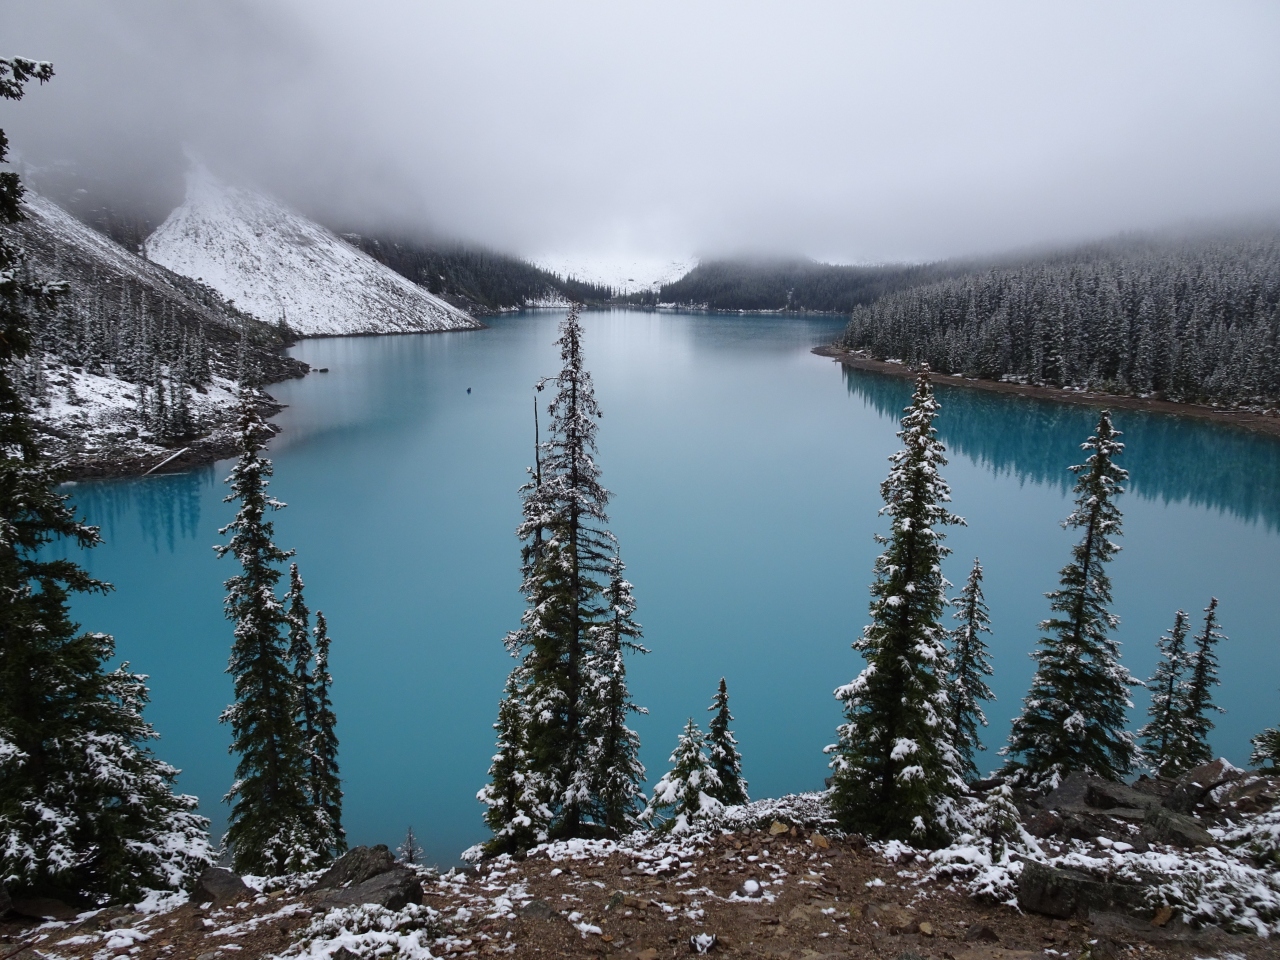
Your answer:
<point x="1062" y="893"/>
<point x="1105" y="795"/>
<point x="981" y="933"/>
<point x="392" y="889"/>
<point x="1193" y="787"/>
<point x="1069" y="794"/>
<point x="44" y="908"/>
<point x="537" y="910"/>
<point x="891" y="917"/>
<point x="220" y="885"/>
<point x="1165" y="826"/>
<point x="356" y="866"/>
<point x="1043" y="823"/>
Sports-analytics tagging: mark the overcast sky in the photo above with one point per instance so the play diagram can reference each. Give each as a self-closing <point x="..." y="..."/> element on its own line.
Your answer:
<point x="842" y="130"/>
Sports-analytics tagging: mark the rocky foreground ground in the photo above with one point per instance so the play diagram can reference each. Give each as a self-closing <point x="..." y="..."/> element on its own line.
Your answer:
<point x="774" y="879"/>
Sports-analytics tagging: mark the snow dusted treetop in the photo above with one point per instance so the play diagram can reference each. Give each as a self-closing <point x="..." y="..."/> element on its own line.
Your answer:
<point x="1074" y="716"/>
<point x="686" y="793"/>
<point x="896" y="770"/>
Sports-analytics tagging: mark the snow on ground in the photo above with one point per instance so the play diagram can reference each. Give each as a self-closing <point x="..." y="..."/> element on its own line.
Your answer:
<point x="99" y="407"/>
<point x="624" y="273"/>
<point x="101" y="411"/>
<point x="276" y="264"/>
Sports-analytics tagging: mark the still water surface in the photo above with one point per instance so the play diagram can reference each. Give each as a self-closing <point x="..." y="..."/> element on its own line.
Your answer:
<point x="745" y="474"/>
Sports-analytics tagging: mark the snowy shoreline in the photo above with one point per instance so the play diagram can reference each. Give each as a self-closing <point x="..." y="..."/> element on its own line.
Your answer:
<point x="1257" y="421"/>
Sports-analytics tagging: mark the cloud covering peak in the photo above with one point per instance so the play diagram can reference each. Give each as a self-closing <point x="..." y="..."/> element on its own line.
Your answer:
<point x="854" y="132"/>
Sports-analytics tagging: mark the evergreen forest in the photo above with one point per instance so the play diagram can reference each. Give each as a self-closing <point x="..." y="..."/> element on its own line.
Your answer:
<point x="1193" y="320"/>
<point x="479" y="280"/>
<point x="794" y="285"/>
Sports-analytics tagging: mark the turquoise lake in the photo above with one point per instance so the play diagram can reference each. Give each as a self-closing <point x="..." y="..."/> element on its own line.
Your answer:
<point x="745" y="475"/>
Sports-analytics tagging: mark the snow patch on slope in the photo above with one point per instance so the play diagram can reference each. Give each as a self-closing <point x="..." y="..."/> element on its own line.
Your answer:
<point x="276" y="264"/>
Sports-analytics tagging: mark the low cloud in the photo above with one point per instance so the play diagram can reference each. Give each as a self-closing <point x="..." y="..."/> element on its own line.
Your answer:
<point x="844" y="131"/>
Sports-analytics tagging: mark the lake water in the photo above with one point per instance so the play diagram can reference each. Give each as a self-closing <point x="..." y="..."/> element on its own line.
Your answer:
<point x="745" y="474"/>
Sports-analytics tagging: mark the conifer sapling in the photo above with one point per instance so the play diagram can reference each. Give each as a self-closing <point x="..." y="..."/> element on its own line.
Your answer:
<point x="687" y="792"/>
<point x="723" y="751"/>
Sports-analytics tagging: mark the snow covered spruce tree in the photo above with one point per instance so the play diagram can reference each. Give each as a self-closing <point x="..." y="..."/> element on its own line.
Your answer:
<point x="1073" y="718"/>
<point x="1167" y="742"/>
<point x="723" y="750"/>
<point x="323" y="781"/>
<point x="686" y="793"/>
<point x="613" y="746"/>
<point x="896" y="772"/>
<point x="967" y="666"/>
<point x="1203" y="677"/>
<point x="87" y="812"/>
<point x="515" y="812"/>
<point x="554" y="758"/>
<point x="315" y="717"/>
<point x="272" y="827"/>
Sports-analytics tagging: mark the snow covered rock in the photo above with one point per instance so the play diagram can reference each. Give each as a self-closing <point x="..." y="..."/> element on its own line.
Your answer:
<point x="394" y="889"/>
<point x="278" y="265"/>
<point x="356" y="866"/>
<point x="1194" y="786"/>
<point x="1064" y="893"/>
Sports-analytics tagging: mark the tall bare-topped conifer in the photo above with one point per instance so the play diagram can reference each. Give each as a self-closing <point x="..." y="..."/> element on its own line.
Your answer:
<point x="556" y="774"/>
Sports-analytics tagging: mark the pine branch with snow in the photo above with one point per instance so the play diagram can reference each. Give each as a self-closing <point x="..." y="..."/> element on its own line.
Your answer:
<point x="87" y="812"/>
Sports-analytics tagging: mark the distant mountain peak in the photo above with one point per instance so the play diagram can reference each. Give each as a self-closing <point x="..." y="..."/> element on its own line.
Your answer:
<point x="276" y="264"/>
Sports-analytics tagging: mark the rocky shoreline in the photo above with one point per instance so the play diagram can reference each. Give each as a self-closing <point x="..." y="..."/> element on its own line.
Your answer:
<point x="1103" y="871"/>
<point x="1258" y="422"/>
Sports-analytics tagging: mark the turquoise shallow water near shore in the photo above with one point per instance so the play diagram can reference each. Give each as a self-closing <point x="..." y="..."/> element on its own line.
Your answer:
<point x="745" y="474"/>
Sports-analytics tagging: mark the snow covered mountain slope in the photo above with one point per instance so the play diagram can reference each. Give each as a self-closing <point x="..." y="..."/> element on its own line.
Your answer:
<point x="124" y="330"/>
<point x="276" y="264"/>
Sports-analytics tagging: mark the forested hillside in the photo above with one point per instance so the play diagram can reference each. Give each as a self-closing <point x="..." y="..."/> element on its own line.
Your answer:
<point x="479" y="280"/>
<point x="134" y="357"/>
<point x="800" y="285"/>
<point x="1191" y="320"/>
